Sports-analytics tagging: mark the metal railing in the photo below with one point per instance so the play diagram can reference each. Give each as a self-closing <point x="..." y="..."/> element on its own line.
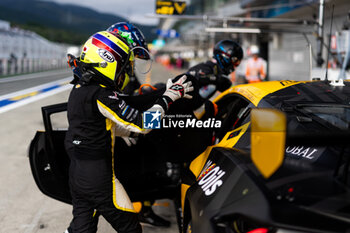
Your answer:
<point x="24" y="51"/>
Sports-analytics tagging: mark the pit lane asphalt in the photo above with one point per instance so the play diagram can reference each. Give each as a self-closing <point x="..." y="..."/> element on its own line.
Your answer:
<point x="20" y="82"/>
<point x="23" y="208"/>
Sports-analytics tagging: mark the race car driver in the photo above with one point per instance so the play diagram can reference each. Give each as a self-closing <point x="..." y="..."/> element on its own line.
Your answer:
<point x="96" y="114"/>
<point x="212" y="74"/>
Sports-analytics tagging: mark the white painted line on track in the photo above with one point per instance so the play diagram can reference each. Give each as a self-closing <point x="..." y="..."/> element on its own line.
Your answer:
<point x="36" y="88"/>
<point x="36" y="96"/>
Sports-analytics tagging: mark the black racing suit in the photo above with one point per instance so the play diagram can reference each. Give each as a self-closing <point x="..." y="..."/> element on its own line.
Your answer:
<point x="210" y="79"/>
<point x="96" y="115"/>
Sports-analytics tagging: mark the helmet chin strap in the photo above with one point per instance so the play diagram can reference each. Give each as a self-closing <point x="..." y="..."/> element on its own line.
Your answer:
<point x="122" y="70"/>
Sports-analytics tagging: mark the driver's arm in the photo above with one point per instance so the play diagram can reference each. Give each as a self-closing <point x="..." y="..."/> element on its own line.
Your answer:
<point x="130" y="120"/>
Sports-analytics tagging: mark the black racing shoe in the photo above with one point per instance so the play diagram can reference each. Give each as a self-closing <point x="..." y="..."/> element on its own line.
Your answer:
<point x="147" y="215"/>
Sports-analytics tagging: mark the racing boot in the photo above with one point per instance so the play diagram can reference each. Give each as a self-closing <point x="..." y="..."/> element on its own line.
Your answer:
<point x="146" y="215"/>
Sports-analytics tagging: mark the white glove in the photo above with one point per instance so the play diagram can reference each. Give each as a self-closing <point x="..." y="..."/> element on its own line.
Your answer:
<point x="129" y="141"/>
<point x="178" y="89"/>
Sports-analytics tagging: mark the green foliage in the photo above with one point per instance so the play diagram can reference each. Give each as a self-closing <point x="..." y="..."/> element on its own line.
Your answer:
<point x="57" y="35"/>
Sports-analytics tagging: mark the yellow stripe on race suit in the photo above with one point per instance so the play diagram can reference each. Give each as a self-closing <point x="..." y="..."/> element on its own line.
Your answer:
<point x="121" y="199"/>
<point x="128" y="126"/>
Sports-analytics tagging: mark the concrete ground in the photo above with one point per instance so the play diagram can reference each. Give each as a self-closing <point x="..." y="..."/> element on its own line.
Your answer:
<point x="23" y="208"/>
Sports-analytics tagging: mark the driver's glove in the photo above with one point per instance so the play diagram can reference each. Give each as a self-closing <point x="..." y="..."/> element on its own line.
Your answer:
<point x="129" y="141"/>
<point x="178" y="89"/>
<point x="174" y="90"/>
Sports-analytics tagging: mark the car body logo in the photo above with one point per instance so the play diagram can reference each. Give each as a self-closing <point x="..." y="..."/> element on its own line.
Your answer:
<point x="151" y="120"/>
<point x="301" y="152"/>
<point x="105" y="55"/>
<point x="211" y="178"/>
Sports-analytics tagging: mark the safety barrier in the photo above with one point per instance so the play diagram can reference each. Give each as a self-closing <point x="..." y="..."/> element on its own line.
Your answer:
<point x="23" y="51"/>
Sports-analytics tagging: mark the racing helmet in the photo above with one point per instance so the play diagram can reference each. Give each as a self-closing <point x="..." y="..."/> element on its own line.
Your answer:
<point x="138" y="42"/>
<point x="107" y="56"/>
<point x="228" y="55"/>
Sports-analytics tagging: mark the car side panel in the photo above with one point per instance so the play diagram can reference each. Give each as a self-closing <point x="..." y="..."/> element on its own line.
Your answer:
<point x="214" y="186"/>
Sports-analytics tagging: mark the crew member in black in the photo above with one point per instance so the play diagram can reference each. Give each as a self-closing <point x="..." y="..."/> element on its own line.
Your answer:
<point x="211" y="75"/>
<point x="97" y="114"/>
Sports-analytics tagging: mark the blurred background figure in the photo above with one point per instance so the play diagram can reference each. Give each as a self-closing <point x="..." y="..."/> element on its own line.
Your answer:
<point x="213" y="75"/>
<point x="333" y="63"/>
<point x="255" y="66"/>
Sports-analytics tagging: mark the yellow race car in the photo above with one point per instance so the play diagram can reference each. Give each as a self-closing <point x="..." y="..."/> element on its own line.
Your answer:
<point x="280" y="162"/>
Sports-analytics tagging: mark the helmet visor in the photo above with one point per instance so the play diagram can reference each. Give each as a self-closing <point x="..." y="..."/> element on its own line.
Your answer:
<point x="142" y="66"/>
<point x="141" y="53"/>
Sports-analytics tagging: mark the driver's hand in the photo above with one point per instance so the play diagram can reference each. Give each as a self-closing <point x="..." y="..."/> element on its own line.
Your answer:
<point x="130" y="141"/>
<point x="178" y="89"/>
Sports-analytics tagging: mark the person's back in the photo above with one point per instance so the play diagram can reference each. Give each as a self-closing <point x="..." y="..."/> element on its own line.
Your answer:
<point x="204" y="68"/>
<point x="86" y="124"/>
